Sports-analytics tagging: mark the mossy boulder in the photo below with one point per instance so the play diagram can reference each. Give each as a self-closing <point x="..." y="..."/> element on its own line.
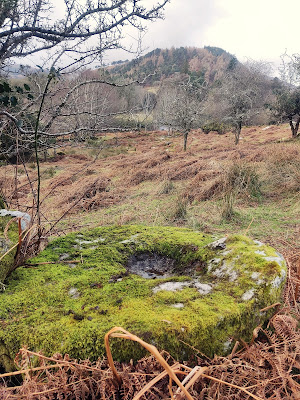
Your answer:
<point x="9" y="236"/>
<point x="173" y="287"/>
<point x="7" y="241"/>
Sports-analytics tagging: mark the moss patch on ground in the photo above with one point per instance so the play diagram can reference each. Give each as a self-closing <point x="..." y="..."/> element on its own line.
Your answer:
<point x="217" y="290"/>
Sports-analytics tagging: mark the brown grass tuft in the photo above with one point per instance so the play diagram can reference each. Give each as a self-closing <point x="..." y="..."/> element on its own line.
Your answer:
<point x="283" y="168"/>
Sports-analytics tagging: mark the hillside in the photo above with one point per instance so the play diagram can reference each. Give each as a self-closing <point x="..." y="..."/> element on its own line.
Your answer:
<point x="148" y="179"/>
<point x="208" y="63"/>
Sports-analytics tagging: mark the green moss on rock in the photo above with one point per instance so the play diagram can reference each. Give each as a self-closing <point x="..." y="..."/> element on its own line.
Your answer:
<point x="211" y="297"/>
<point x="6" y="242"/>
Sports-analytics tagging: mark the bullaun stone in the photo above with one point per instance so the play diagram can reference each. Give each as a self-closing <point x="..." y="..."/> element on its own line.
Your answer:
<point x="170" y="286"/>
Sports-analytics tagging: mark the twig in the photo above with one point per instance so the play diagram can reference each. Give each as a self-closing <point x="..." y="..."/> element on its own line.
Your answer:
<point x="157" y="379"/>
<point x="192" y="377"/>
<point x="24" y="371"/>
<point x="232" y="385"/>
<point x="234" y="350"/>
<point x="53" y="262"/>
<point x="152" y="349"/>
<point x="8" y="251"/>
<point x="269" y="307"/>
<point x="246" y="231"/>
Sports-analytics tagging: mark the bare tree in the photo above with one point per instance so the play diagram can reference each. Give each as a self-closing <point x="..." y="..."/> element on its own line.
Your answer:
<point x="239" y="97"/>
<point x="286" y="106"/>
<point x="87" y="29"/>
<point x="84" y="30"/>
<point x="290" y="69"/>
<point x="180" y="105"/>
<point x="37" y="114"/>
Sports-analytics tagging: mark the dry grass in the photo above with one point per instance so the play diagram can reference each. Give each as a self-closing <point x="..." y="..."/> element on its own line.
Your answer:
<point x="283" y="168"/>
<point x="157" y="159"/>
<point x="112" y="187"/>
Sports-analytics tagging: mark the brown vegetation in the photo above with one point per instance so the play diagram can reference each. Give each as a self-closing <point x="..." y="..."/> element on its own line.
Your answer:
<point x="81" y="181"/>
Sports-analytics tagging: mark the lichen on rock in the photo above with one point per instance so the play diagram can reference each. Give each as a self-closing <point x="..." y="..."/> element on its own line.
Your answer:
<point x="58" y="308"/>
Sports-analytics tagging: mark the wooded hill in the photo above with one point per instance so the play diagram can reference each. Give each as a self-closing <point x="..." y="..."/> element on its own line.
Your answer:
<point x="208" y="64"/>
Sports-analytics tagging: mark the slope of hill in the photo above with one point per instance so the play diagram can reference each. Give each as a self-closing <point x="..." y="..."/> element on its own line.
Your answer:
<point x="149" y="179"/>
<point x="208" y="63"/>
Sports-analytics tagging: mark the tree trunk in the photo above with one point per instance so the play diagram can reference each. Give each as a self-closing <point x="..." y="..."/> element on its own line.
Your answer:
<point x="294" y="128"/>
<point x="185" y="136"/>
<point x="238" y="132"/>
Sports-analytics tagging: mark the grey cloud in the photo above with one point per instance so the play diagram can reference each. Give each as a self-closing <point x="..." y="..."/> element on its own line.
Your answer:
<point x="184" y="23"/>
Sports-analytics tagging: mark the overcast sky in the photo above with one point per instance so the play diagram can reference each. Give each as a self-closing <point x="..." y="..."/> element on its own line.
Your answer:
<point x="255" y="29"/>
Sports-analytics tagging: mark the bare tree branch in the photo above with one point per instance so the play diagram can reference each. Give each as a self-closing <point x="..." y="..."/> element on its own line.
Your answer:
<point x="28" y="27"/>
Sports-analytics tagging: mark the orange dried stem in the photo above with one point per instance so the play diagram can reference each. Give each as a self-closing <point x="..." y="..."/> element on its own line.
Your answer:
<point x="269" y="307"/>
<point x="152" y="349"/>
<point x="232" y="385"/>
<point x="24" y="371"/>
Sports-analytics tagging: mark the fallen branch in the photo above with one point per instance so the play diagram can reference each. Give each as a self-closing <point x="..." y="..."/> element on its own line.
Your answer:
<point x="53" y="262"/>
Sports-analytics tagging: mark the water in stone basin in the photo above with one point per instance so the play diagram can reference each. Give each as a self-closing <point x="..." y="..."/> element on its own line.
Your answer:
<point x="151" y="265"/>
<point x="155" y="266"/>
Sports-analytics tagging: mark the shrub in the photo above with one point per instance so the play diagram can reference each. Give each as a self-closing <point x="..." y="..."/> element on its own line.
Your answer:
<point x="166" y="187"/>
<point x="215" y="126"/>
<point x="179" y="211"/>
<point x="283" y="168"/>
<point x="49" y="172"/>
<point x="2" y="201"/>
<point x="239" y="180"/>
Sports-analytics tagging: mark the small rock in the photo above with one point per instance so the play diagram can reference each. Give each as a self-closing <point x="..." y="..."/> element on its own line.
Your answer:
<point x="73" y="292"/>
<point x="96" y="285"/>
<point x="78" y="317"/>
<point x="115" y="278"/>
<point x="25" y="218"/>
<point x="218" y="244"/>
<point x="248" y="295"/>
<point x="227" y="345"/>
<point x="203" y="288"/>
<point x="178" y="305"/>
<point x="64" y="256"/>
<point x="171" y="286"/>
<point x="260" y="252"/>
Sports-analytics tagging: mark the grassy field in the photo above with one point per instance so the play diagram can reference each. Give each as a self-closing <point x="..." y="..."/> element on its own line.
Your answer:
<point x="147" y="178"/>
